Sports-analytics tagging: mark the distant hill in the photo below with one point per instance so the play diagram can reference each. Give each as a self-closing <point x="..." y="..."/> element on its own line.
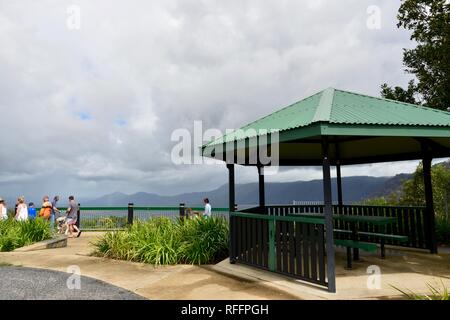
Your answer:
<point x="394" y="184"/>
<point x="354" y="189"/>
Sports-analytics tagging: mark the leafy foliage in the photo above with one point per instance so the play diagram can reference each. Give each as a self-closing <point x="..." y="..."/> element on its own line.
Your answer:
<point x="429" y="61"/>
<point x="442" y="231"/>
<point x="162" y="241"/>
<point x="16" y="234"/>
<point x="435" y="293"/>
<point x="204" y="240"/>
<point x="400" y="94"/>
<point x="413" y="193"/>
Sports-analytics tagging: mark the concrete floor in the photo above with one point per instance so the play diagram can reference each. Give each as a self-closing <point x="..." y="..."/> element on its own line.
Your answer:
<point x="405" y="269"/>
<point x="165" y="282"/>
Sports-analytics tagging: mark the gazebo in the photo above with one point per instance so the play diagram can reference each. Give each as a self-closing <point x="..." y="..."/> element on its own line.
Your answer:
<point x="330" y="128"/>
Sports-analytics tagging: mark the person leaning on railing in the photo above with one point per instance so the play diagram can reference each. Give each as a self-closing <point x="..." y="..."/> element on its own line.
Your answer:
<point x="207" y="213"/>
<point x="191" y="214"/>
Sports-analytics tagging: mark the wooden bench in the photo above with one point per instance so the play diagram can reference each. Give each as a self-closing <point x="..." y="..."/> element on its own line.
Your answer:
<point x="349" y="244"/>
<point x="381" y="236"/>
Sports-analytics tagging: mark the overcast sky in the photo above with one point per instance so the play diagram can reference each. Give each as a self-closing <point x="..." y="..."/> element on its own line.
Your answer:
<point x="89" y="108"/>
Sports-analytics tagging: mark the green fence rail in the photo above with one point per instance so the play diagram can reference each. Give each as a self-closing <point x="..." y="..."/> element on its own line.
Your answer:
<point x="116" y="218"/>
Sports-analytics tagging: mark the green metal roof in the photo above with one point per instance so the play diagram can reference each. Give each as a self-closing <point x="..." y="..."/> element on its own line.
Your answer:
<point x="355" y="111"/>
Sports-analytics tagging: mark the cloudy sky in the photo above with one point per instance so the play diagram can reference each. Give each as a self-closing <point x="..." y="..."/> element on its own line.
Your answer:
<point x="91" y="91"/>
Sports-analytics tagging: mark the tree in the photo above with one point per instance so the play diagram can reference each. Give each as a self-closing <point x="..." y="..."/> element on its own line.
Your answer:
<point x="414" y="194"/>
<point x="429" y="61"/>
<point x="413" y="191"/>
<point x="400" y="94"/>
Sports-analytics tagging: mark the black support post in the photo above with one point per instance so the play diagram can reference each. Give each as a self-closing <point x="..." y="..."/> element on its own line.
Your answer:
<point x="430" y="219"/>
<point x="232" y="208"/>
<point x="262" y="194"/>
<point x="130" y="213"/>
<point x="182" y="211"/>
<point x="339" y="179"/>
<point x="328" y="212"/>
<point x="339" y="186"/>
<point x="78" y="217"/>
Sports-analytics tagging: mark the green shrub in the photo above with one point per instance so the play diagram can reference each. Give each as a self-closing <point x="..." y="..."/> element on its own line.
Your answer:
<point x="205" y="240"/>
<point x="435" y="293"/>
<point x="162" y="241"/>
<point x="442" y="231"/>
<point x="16" y="234"/>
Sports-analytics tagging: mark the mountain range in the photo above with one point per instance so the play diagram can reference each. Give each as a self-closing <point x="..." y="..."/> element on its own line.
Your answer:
<point x="355" y="189"/>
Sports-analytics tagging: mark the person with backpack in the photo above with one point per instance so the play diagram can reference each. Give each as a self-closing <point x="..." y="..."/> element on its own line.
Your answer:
<point x="46" y="209"/>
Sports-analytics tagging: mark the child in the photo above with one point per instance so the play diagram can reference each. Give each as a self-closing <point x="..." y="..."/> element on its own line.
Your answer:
<point x="31" y="211"/>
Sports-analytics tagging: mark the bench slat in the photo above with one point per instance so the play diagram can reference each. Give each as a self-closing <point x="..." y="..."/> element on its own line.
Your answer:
<point x="378" y="235"/>
<point x="386" y="236"/>
<point x="367" y="246"/>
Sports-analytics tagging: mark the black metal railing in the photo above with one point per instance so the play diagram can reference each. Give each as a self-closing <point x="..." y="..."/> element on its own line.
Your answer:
<point x="294" y="246"/>
<point x="410" y="220"/>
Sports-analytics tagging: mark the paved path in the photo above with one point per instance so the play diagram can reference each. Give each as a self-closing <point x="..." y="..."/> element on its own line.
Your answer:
<point x="19" y="283"/>
<point x="406" y="269"/>
<point x="166" y="282"/>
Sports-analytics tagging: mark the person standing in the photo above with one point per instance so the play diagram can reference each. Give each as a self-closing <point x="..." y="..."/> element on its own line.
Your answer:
<point x="207" y="213"/>
<point x="31" y="211"/>
<point x="72" y="216"/>
<point x="15" y="207"/>
<point x="54" y="211"/>
<point x="46" y="209"/>
<point x="22" y="210"/>
<point x="3" y="210"/>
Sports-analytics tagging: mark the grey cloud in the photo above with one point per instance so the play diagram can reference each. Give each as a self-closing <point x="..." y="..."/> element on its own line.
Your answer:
<point x="141" y="69"/>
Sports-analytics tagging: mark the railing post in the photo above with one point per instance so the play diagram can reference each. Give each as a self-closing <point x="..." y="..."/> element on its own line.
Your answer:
<point x="130" y="213"/>
<point x="182" y="211"/>
<point x="338" y="179"/>
<point x="232" y="208"/>
<point x="328" y="213"/>
<point x="272" y="253"/>
<point x="262" y="197"/>
<point x="78" y="217"/>
<point x="429" y="219"/>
